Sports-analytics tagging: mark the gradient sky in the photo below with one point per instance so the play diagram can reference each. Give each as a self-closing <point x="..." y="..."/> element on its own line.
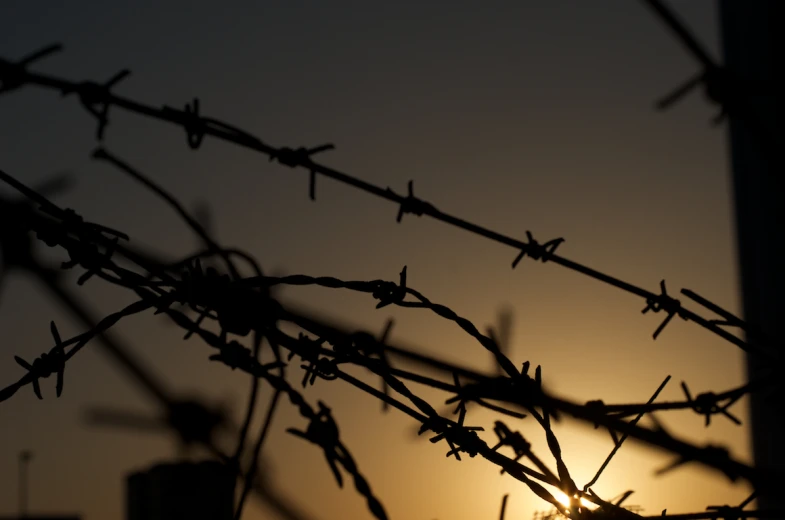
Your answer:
<point x="514" y="115"/>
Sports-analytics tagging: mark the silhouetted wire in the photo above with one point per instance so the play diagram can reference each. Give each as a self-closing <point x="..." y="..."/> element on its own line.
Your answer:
<point x="121" y="353"/>
<point x="72" y="222"/>
<point x="727" y="512"/>
<point x="517" y="470"/>
<point x="504" y="506"/>
<point x="334" y="449"/>
<point x="103" y="154"/>
<point x="93" y="94"/>
<point x="711" y="399"/>
<point x="685" y="37"/>
<point x="624" y="437"/>
<point x="252" y="469"/>
<point x="707" y="402"/>
<point x="212" y="248"/>
<point x="722" y="87"/>
<point x="466" y="440"/>
<point x="382" y="295"/>
<point x="322" y="431"/>
<point x="707" y="455"/>
<point x="658" y="438"/>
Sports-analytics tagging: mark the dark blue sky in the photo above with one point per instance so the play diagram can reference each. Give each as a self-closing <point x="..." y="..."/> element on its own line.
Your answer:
<point x="515" y="115"/>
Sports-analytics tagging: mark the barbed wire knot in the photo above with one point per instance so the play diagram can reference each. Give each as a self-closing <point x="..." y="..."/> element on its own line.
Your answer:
<point x="323" y="367"/>
<point x="193" y="124"/>
<point x="707" y="404"/>
<point x="520" y="446"/>
<point x="466" y="438"/>
<point x="663" y="302"/>
<point x="411" y="204"/>
<point x="73" y="221"/>
<point x="96" y="98"/>
<point x="389" y="292"/>
<point x="537" y="251"/>
<point x="51" y="235"/>
<point x="455" y="433"/>
<point x="716" y="84"/>
<point x="301" y="156"/>
<point x="597" y="406"/>
<point x="87" y="256"/>
<point x="310" y="347"/>
<point x="47" y="364"/>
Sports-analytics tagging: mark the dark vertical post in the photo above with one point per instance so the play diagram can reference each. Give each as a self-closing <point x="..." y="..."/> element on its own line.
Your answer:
<point x="24" y="459"/>
<point x="754" y="55"/>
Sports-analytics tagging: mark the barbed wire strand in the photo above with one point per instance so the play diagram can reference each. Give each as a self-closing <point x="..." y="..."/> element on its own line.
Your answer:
<point x="391" y="293"/>
<point x="301" y="157"/>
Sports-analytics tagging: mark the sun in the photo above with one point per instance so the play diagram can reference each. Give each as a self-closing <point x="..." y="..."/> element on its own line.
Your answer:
<point x="565" y="500"/>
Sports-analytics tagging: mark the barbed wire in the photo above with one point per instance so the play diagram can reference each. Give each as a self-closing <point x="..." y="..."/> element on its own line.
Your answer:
<point x="241" y="306"/>
<point x="383" y="292"/>
<point x="191" y="420"/>
<point x="208" y="292"/>
<point x="374" y="286"/>
<point x="17" y="75"/>
<point x="722" y="87"/>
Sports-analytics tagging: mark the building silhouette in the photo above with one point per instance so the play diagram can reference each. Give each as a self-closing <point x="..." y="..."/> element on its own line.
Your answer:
<point x="181" y="490"/>
<point x="42" y="517"/>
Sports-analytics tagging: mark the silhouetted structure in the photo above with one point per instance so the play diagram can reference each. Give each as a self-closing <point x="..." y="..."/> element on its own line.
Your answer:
<point x="24" y="459"/>
<point x="754" y="49"/>
<point x="187" y="490"/>
<point x="39" y="517"/>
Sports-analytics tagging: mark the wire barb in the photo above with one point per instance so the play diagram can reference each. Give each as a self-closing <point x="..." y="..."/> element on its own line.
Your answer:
<point x="390" y="293"/>
<point x="714" y="78"/>
<point x="515" y="440"/>
<point x="194" y="125"/>
<point x="47" y="364"/>
<point x="537" y="251"/>
<point x="707" y="404"/>
<point x="240" y="310"/>
<point x="715" y="83"/>
<point x="663" y="302"/>
<point x="97" y="98"/>
<point x="14" y="74"/>
<point x="301" y="157"/>
<point x="411" y="204"/>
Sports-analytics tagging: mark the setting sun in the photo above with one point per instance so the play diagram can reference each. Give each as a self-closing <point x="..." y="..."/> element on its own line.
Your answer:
<point x="565" y="500"/>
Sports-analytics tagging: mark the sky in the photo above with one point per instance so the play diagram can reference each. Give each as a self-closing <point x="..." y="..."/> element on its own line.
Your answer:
<point x="517" y="116"/>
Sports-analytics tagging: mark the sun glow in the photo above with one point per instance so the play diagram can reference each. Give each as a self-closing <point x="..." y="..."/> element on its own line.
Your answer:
<point x="565" y="500"/>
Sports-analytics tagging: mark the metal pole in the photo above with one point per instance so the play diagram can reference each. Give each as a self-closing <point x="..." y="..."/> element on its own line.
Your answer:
<point x="24" y="459"/>
<point x="753" y="43"/>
